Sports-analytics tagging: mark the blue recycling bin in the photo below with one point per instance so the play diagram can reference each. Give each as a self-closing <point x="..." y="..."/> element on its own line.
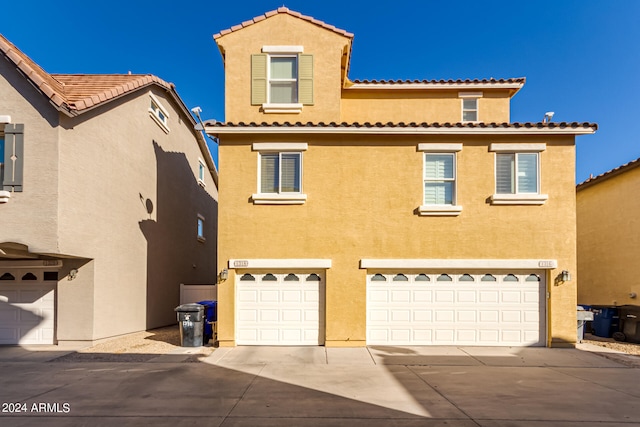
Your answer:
<point x="210" y="316"/>
<point x="605" y="321"/>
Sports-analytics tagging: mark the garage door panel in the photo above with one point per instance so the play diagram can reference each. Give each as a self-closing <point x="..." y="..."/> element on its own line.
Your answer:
<point x="27" y="312"/>
<point x="285" y="311"/>
<point x="502" y="309"/>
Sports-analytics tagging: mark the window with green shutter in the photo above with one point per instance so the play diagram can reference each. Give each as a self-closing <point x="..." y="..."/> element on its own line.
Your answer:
<point x="282" y="78"/>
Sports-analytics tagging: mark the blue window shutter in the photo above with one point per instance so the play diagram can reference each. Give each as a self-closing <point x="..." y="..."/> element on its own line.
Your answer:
<point x="13" y="157"/>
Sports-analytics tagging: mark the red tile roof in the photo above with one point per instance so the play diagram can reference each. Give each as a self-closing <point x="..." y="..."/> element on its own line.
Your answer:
<point x="519" y="80"/>
<point x="609" y="174"/>
<point x="368" y="127"/>
<point x="288" y="12"/>
<point x="73" y="93"/>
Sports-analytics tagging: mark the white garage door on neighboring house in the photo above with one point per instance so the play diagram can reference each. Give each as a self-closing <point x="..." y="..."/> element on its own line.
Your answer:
<point x="276" y="308"/>
<point x="27" y="308"/>
<point x="484" y="309"/>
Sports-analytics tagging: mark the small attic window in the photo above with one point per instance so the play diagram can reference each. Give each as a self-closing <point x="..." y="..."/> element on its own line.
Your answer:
<point x="159" y="113"/>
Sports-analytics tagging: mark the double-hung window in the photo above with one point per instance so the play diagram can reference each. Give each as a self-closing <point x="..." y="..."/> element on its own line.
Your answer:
<point x="279" y="173"/>
<point x="517" y="174"/>
<point x="470" y="105"/>
<point x="439" y="179"/>
<point x="1" y="160"/>
<point x="282" y="79"/>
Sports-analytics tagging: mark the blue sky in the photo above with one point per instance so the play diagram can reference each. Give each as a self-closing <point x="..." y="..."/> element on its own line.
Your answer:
<point x="581" y="58"/>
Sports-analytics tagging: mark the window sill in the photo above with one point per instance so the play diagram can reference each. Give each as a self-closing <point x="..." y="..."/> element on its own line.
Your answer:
<point x="519" y="199"/>
<point x="279" y="199"/>
<point x="201" y="239"/>
<point x="282" y="108"/>
<point x="4" y="196"/>
<point x="439" y="210"/>
<point x="201" y="183"/>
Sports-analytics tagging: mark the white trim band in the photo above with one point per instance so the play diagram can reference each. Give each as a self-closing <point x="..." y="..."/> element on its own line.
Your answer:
<point x="53" y="264"/>
<point x="282" y="108"/>
<point x="439" y="147"/>
<point x="5" y="120"/>
<point x="519" y="199"/>
<point x="439" y="210"/>
<point x="280" y="146"/>
<point x="282" y="49"/>
<point x="291" y="263"/>
<point x="463" y="264"/>
<point x="469" y="94"/>
<point x="435" y="85"/>
<point x="279" y="199"/>
<point x="519" y="148"/>
<point x="4" y="196"/>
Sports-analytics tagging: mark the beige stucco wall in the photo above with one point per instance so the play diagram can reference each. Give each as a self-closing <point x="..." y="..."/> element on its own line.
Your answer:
<point x="129" y="200"/>
<point x="282" y="29"/>
<point x="410" y="105"/>
<point x="609" y="240"/>
<point x="362" y="195"/>
<point x="30" y="217"/>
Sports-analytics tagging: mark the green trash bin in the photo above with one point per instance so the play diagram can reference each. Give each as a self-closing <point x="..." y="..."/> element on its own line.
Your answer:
<point x="191" y="321"/>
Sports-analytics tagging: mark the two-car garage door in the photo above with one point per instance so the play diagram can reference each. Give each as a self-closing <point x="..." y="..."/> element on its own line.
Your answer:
<point x="463" y="308"/>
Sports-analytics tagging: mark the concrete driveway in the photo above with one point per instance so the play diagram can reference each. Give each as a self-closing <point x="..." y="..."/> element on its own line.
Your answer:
<point x="317" y="386"/>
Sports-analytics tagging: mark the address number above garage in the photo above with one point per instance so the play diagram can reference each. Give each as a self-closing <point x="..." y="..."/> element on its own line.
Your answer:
<point x="289" y="263"/>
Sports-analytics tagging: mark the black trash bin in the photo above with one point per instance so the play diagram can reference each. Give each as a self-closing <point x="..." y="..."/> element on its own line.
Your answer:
<point x="210" y="317"/>
<point x="629" y="324"/>
<point x="191" y="321"/>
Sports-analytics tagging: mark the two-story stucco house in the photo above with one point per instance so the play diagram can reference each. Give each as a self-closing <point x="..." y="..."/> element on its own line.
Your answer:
<point x="609" y="237"/>
<point x="108" y="203"/>
<point x="357" y="212"/>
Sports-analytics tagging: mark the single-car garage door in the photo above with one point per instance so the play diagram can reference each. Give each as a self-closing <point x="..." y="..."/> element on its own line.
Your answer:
<point x="27" y="308"/>
<point x="276" y="308"/>
<point x="463" y="308"/>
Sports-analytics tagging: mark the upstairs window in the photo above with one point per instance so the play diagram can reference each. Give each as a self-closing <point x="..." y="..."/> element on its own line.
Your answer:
<point x="201" y="172"/>
<point x="516" y="173"/>
<point x="470" y="106"/>
<point x="439" y="179"/>
<point x="200" y="226"/>
<point x="159" y="113"/>
<point x="282" y="79"/>
<point x="280" y="173"/>
<point x="1" y="160"/>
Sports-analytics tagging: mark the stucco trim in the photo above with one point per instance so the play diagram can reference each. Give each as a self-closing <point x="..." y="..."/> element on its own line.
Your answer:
<point x="288" y="263"/>
<point x="48" y="264"/>
<point x="463" y="264"/>
<point x="279" y="199"/>
<point x="435" y="85"/>
<point x="520" y="148"/>
<point x="5" y="120"/>
<point x="4" y="196"/>
<point x="437" y="210"/>
<point x="282" y="49"/>
<point x="280" y="146"/>
<point x="470" y="94"/>
<point x="439" y="147"/>
<point x="281" y="108"/>
<point x="519" y="199"/>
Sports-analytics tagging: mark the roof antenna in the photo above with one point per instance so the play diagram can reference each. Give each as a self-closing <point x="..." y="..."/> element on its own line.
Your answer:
<point x="548" y="116"/>
<point x="200" y="126"/>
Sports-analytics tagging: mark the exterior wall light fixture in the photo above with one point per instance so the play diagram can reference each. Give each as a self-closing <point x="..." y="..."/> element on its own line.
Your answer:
<point x="224" y="275"/>
<point x="565" y="276"/>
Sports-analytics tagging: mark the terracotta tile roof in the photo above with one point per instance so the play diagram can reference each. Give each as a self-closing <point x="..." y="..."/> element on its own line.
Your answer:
<point x="288" y="12"/>
<point x="519" y="80"/>
<point x="609" y="174"/>
<point x="573" y="128"/>
<point x="73" y="93"/>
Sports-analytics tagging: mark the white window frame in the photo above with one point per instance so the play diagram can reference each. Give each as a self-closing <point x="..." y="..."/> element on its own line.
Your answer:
<point x="201" y="173"/>
<point x="282" y="52"/>
<point x="200" y="228"/>
<point x="279" y="198"/>
<point x="159" y="113"/>
<point x="518" y="198"/>
<point x="467" y="96"/>
<point x="452" y="209"/>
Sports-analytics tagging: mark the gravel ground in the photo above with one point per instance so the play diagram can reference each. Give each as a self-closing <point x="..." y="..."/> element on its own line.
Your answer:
<point x="137" y="347"/>
<point x="625" y="347"/>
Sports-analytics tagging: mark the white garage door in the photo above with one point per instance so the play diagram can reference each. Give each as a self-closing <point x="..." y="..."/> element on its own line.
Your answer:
<point x="27" y="310"/>
<point x="486" y="309"/>
<point x="280" y="309"/>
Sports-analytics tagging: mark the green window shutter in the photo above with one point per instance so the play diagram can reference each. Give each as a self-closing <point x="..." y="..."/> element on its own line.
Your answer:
<point x="258" y="79"/>
<point x="305" y="79"/>
<point x="13" y="157"/>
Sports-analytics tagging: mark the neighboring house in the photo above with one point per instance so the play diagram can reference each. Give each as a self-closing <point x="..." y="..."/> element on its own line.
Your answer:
<point x="385" y="212"/>
<point x="109" y="202"/>
<point x="608" y="217"/>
